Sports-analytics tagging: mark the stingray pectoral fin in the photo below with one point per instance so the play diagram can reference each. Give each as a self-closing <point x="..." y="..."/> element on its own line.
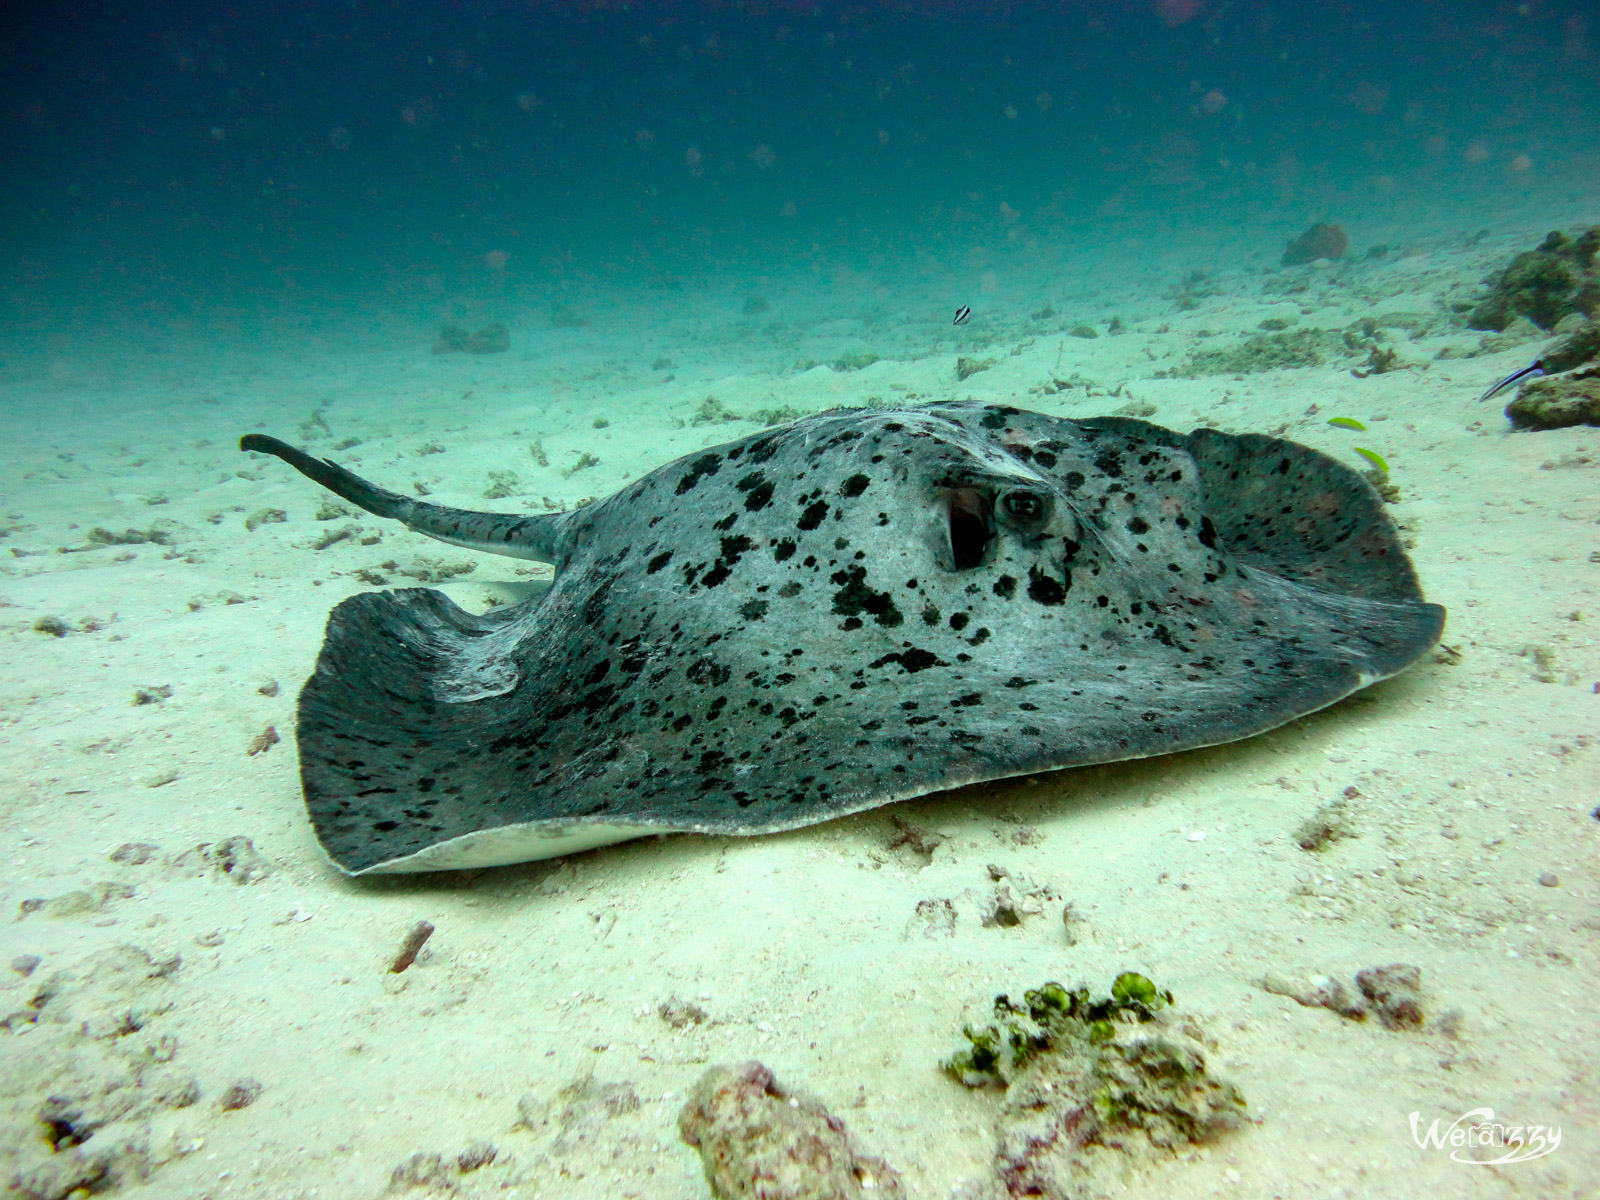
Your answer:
<point x="403" y="771"/>
<point x="494" y="533"/>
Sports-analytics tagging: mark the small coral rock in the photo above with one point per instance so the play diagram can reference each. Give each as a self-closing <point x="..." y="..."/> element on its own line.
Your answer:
<point x="1558" y="402"/>
<point x="1317" y="991"/>
<point x="760" y="1141"/>
<point x="237" y="859"/>
<point x="491" y="339"/>
<point x="1395" y="993"/>
<point x="967" y="367"/>
<point x="1320" y="241"/>
<point x="241" y="1095"/>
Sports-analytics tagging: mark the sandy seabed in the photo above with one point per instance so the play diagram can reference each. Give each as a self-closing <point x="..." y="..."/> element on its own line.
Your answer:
<point x="203" y="1016"/>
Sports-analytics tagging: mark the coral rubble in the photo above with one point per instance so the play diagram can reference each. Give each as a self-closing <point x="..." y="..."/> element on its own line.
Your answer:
<point x="759" y="1139"/>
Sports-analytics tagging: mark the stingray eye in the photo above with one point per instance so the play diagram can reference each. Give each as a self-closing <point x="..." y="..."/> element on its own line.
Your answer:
<point x="1023" y="506"/>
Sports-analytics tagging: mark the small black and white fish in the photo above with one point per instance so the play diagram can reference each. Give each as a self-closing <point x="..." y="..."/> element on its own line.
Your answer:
<point x="962" y="314"/>
<point x="1528" y="372"/>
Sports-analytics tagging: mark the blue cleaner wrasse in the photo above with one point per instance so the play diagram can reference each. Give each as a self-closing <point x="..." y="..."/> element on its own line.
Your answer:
<point x="1528" y="372"/>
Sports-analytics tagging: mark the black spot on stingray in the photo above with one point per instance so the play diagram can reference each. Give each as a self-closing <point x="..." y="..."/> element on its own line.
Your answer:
<point x="958" y="621"/>
<point x="1044" y="458"/>
<point x="967" y="701"/>
<point x="707" y="672"/>
<point x="855" y="597"/>
<point x="913" y="660"/>
<point x="600" y="698"/>
<point x="1074" y="480"/>
<point x="930" y="615"/>
<point x="813" y="515"/>
<point x="597" y="672"/>
<point x="1109" y="462"/>
<point x="1208" y="533"/>
<point x="1017" y="681"/>
<point x="713" y="760"/>
<point x="1005" y="587"/>
<point x="594" y="608"/>
<point x="995" y="418"/>
<point x="854" y="485"/>
<point x="753" y="610"/>
<point x="758" y="492"/>
<point x="1042" y="589"/>
<point x="760" y="451"/>
<point x="706" y="464"/>
<point x="789" y="590"/>
<point x="783" y="550"/>
<point x="1138" y="525"/>
<point x="658" y="562"/>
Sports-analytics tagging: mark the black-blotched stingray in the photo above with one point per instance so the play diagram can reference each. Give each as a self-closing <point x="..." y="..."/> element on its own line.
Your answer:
<point x="859" y="607"/>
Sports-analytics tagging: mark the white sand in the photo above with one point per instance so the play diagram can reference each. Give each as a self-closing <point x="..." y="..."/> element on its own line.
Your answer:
<point x="1472" y="780"/>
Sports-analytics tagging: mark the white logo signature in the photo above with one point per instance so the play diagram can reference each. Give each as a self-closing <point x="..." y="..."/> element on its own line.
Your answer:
<point x="1478" y="1131"/>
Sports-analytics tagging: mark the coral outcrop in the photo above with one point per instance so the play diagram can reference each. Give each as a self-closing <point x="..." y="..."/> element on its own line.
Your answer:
<point x="1320" y="241"/>
<point x="1544" y="284"/>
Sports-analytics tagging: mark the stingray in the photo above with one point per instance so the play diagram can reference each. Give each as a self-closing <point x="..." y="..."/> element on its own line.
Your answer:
<point x="860" y="607"/>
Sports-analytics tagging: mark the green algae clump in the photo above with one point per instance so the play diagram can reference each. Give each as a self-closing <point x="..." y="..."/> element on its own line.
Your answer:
<point x="1092" y="1086"/>
<point x="1130" y="988"/>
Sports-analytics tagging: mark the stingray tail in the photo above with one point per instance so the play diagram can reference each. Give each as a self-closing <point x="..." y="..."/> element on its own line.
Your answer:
<point x="494" y="533"/>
